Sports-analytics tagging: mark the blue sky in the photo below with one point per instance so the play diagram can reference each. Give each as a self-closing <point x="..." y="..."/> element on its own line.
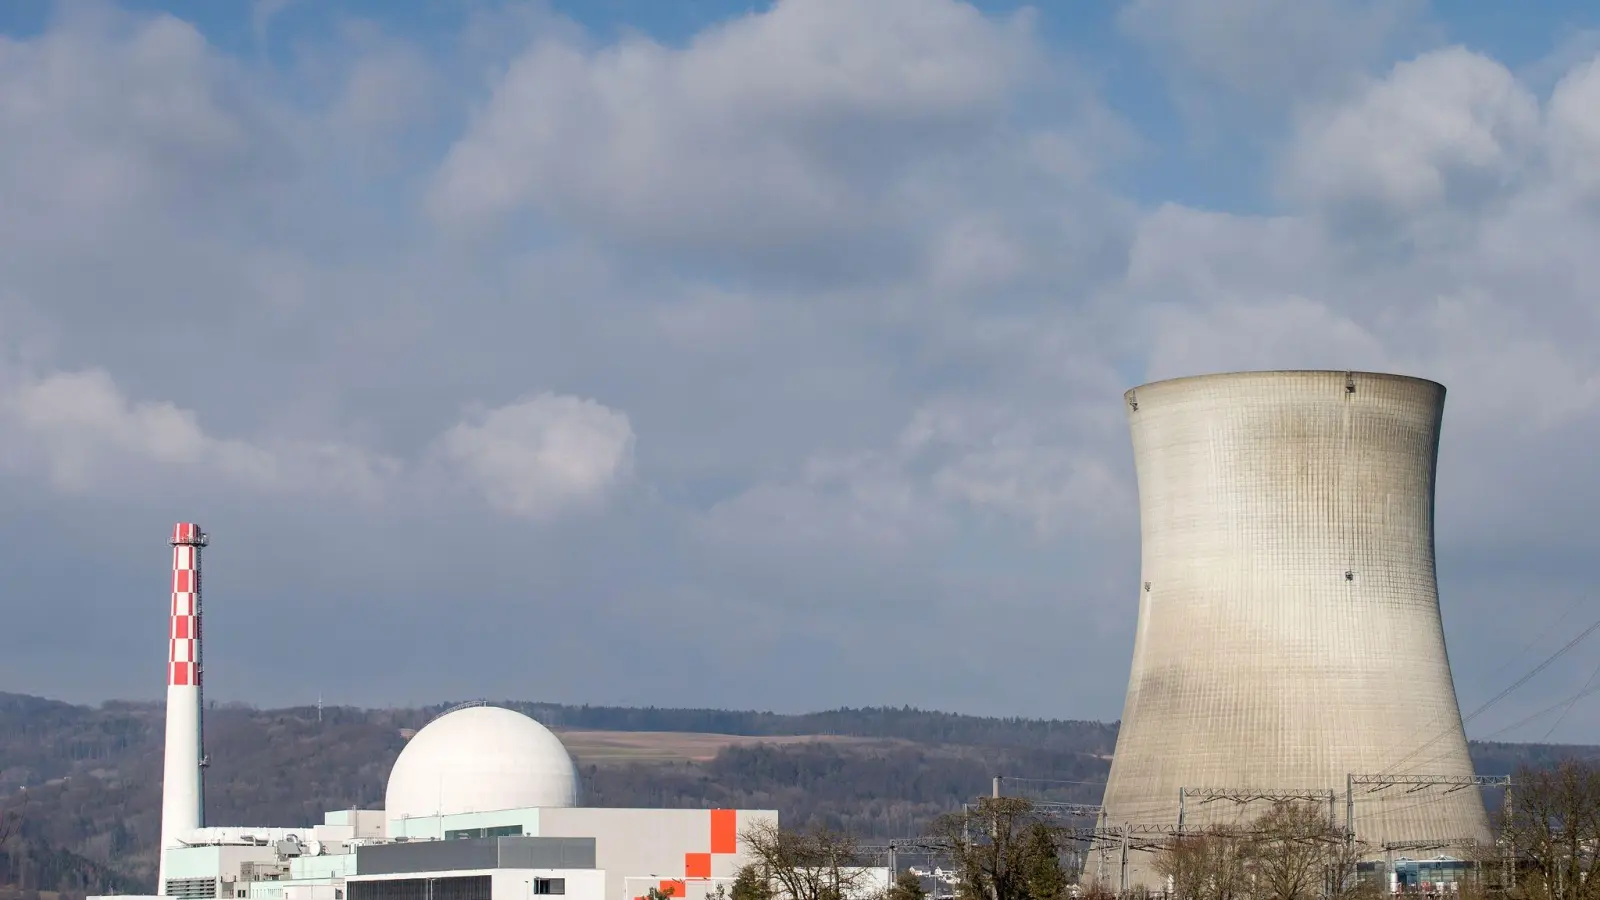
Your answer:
<point x="756" y="355"/>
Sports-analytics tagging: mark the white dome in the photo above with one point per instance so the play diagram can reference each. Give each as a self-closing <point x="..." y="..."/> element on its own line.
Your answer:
<point x="480" y="759"/>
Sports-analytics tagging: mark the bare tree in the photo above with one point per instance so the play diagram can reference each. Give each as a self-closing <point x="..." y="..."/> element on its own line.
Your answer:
<point x="1003" y="848"/>
<point x="818" y="864"/>
<point x="11" y="819"/>
<point x="1290" y="852"/>
<point x="1342" y="862"/>
<point x="1490" y="872"/>
<point x="1208" y="865"/>
<point x="1553" y="829"/>
<point x="1294" y="853"/>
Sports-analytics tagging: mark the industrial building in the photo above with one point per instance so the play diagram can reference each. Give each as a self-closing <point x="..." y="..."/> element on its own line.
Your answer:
<point x="1289" y="636"/>
<point x="1288" y="641"/>
<point x="482" y="804"/>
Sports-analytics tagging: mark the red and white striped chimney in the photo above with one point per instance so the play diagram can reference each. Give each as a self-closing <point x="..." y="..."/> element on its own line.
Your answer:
<point x="182" y="786"/>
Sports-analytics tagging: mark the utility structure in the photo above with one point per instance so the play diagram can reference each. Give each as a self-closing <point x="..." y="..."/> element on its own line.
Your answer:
<point x="1288" y="626"/>
<point x="1251" y="795"/>
<point x="182" y="784"/>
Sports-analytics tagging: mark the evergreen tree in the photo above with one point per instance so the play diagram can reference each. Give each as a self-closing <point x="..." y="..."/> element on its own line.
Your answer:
<point x="987" y="843"/>
<point x="750" y="885"/>
<point x="1041" y="863"/>
<point x="906" y="887"/>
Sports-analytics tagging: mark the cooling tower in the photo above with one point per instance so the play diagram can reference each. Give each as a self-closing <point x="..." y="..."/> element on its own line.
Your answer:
<point x="1289" y="631"/>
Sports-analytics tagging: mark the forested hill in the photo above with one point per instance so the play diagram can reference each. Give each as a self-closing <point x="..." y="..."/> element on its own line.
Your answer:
<point x="90" y="811"/>
<point x="902" y="723"/>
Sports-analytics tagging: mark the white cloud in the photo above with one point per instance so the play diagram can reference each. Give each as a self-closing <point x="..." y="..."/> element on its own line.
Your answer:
<point x="390" y="87"/>
<point x="543" y="455"/>
<point x="110" y="113"/>
<point x="1574" y="128"/>
<point x="1457" y="253"/>
<point x="1022" y="463"/>
<point x="975" y="253"/>
<point x="1288" y="332"/>
<point x="1192" y="257"/>
<point x="535" y="458"/>
<point x="86" y="433"/>
<point x="865" y="502"/>
<point x="796" y="125"/>
<point x="1451" y="127"/>
<point x="857" y="269"/>
<point x="972" y="454"/>
<point x="1267" y="51"/>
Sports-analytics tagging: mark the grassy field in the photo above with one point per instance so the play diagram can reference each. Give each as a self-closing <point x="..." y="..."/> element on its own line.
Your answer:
<point x="603" y="747"/>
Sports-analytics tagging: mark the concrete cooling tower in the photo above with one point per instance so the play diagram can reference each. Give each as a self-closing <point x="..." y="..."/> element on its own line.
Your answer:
<point x="1289" y="632"/>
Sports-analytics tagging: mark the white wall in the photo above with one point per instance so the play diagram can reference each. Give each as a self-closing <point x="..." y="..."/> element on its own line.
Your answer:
<point x="367" y="823"/>
<point x="638" y="847"/>
<point x="517" y="884"/>
<point x="434" y="827"/>
<point x="213" y="862"/>
<point x="648" y="846"/>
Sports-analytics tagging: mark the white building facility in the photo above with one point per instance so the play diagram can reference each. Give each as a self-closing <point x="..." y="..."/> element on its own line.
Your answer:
<point x="480" y="759"/>
<point x="480" y="805"/>
<point x="447" y="837"/>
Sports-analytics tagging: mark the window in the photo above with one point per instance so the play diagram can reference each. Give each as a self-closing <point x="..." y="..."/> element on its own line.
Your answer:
<point x="549" y="885"/>
<point x="192" y="888"/>
<point x="464" y="887"/>
<point x="459" y="834"/>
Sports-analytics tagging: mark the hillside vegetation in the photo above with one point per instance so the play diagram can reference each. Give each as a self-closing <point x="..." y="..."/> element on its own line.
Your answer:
<point x="90" y="811"/>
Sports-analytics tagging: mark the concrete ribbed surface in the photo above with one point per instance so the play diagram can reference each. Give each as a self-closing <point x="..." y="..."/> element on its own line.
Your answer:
<point x="1258" y="663"/>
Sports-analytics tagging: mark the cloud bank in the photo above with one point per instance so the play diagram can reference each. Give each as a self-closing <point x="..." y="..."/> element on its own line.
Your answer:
<point x="795" y="344"/>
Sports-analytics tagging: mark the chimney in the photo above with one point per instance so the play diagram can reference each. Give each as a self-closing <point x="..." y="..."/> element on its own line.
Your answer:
<point x="182" y="785"/>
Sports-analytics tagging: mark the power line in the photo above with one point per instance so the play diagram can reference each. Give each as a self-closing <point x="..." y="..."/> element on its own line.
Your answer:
<point x="1574" y="702"/>
<point x="1053" y="781"/>
<point x="1548" y="661"/>
<point x="1542" y="713"/>
<point x="1511" y="659"/>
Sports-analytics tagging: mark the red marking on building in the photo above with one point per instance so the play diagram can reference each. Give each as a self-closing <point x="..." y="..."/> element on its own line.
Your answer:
<point x="697" y="865"/>
<point x="724" y="831"/>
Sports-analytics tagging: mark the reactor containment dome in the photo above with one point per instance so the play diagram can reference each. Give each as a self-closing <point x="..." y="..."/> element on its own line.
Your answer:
<point x="1289" y="633"/>
<point x="480" y="759"/>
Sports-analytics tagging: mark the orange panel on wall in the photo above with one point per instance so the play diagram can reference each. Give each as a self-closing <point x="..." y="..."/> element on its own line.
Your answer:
<point x="697" y="865"/>
<point x="724" y="831"/>
<point x="675" y="888"/>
